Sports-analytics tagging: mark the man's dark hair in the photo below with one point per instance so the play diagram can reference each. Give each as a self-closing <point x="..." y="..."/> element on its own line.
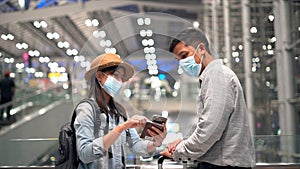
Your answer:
<point x="190" y="36"/>
<point x="173" y="43"/>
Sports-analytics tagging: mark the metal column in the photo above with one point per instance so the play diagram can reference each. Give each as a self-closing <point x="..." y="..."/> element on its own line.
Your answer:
<point x="215" y="33"/>
<point x="247" y="62"/>
<point x="226" y="12"/>
<point x="285" y="78"/>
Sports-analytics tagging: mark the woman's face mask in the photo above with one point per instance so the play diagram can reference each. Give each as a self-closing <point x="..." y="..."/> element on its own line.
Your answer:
<point x="189" y="66"/>
<point x="112" y="86"/>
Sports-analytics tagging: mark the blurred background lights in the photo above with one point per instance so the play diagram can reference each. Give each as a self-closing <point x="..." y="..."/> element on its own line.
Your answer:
<point x="253" y="29"/>
<point x="196" y="24"/>
<point x="271" y="18"/>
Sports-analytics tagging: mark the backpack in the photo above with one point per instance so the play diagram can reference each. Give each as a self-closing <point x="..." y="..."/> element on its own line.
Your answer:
<point x="67" y="154"/>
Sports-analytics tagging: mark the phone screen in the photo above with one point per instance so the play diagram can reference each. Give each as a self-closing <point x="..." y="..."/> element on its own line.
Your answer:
<point x="159" y="119"/>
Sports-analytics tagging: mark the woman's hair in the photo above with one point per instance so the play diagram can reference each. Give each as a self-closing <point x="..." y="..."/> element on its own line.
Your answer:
<point x="192" y="37"/>
<point x="94" y="83"/>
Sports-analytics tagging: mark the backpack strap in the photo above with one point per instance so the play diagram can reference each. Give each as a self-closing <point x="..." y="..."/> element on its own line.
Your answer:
<point x="96" y="111"/>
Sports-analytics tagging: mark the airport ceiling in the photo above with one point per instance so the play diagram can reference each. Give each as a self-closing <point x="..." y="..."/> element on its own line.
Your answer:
<point x="68" y="19"/>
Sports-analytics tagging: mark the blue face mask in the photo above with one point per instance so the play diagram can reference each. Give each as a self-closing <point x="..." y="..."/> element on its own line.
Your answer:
<point x="112" y="86"/>
<point x="189" y="66"/>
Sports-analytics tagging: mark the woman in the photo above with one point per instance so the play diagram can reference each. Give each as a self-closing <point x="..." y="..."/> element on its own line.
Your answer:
<point x="106" y="76"/>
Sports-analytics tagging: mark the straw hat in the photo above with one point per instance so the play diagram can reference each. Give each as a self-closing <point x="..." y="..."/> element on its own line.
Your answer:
<point x="107" y="60"/>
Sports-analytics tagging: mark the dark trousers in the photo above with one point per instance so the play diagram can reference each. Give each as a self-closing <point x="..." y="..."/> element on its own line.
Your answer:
<point x="5" y="109"/>
<point x="204" y="165"/>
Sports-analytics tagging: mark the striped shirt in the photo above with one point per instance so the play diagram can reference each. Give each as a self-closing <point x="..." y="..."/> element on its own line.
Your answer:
<point x="222" y="134"/>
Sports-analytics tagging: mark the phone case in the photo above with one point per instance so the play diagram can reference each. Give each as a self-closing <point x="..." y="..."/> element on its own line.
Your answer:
<point x="148" y="125"/>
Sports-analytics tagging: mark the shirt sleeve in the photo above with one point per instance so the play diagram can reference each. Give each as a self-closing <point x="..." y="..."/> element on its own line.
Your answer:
<point x="215" y="104"/>
<point x="138" y="146"/>
<point x="88" y="148"/>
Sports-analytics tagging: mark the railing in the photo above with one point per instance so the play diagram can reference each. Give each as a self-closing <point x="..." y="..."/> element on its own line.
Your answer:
<point x="29" y="100"/>
<point x="18" y="153"/>
<point x="271" y="151"/>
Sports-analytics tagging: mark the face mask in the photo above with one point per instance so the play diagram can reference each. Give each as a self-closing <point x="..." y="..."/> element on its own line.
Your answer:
<point x="112" y="86"/>
<point x="189" y="66"/>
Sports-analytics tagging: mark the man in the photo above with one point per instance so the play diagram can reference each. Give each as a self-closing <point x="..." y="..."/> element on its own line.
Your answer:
<point x="222" y="137"/>
<point x="7" y="89"/>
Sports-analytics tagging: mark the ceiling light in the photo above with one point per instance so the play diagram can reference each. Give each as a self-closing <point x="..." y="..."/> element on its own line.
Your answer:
<point x="76" y="58"/>
<point x="145" y="42"/>
<point x="147" y="21"/>
<point x="152" y="50"/>
<point x="108" y="43"/>
<point x="69" y="52"/>
<point x="4" y="37"/>
<point x="253" y="29"/>
<point x="140" y="21"/>
<point x="143" y="33"/>
<point x="146" y="50"/>
<point x="60" y="44"/>
<point x="196" y="24"/>
<point x="19" y="45"/>
<point x="271" y="18"/>
<point x="240" y="47"/>
<point x="149" y="33"/>
<point x="37" y="24"/>
<point x="44" y="24"/>
<point x="67" y="44"/>
<point x="55" y="35"/>
<point x="88" y="22"/>
<point x="22" y="3"/>
<point x="36" y="53"/>
<point x="96" y="34"/>
<point x="102" y="43"/>
<point x="10" y="36"/>
<point x="24" y="45"/>
<point x="19" y="65"/>
<point x="95" y="22"/>
<point x="102" y="34"/>
<point x="49" y="35"/>
<point x="74" y="51"/>
<point x="237" y="60"/>
<point x="233" y="48"/>
<point x="150" y="42"/>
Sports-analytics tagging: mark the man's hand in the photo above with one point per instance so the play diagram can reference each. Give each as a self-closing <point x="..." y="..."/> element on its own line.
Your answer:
<point x="172" y="146"/>
<point x="166" y="153"/>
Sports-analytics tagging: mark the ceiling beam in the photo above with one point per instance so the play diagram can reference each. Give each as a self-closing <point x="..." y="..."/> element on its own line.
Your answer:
<point x="89" y="6"/>
<point x="41" y="36"/>
<point x="6" y="52"/>
<point x="113" y="33"/>
<point x="69" y="28"/>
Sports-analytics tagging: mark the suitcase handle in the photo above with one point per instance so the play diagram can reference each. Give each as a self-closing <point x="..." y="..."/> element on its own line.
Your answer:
<point x="161" y="159"/>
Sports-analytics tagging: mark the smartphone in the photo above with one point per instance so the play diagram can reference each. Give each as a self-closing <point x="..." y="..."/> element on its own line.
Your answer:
<point x="159" y="119"/>
<point x="149" y="125"/>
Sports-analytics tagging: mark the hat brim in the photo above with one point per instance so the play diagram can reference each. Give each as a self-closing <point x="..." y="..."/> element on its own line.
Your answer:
<point x="129" y="70"/>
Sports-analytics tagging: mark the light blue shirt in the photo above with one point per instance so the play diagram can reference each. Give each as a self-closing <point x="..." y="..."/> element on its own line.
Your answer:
<point x="222" y="134"/>
<point x="90" y="149"/>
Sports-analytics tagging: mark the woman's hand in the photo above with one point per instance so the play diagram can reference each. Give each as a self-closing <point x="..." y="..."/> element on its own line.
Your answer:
<point x="133" y="122"/>
<point x="158" y="135"/>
